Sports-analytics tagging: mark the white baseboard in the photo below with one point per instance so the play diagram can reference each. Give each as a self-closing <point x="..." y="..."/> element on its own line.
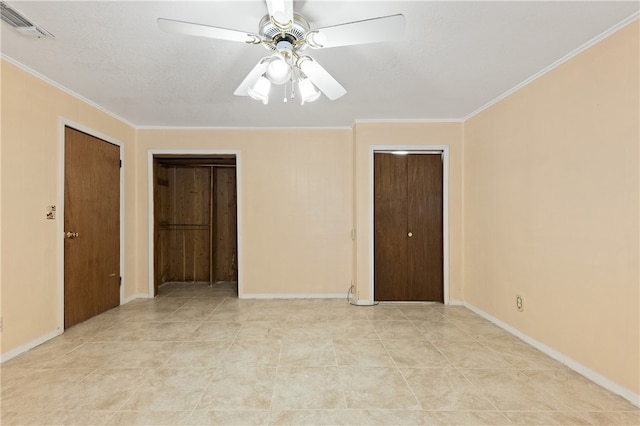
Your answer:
<point x="257" y="296"/>
<point x="367" y="302"/>
<point x="572" y="364"/>
<point x="42" y="339"/>
<point x="291" y="296"/>
<point x="27" y="346"/>
<point x="361" y="302"/>
<point x="134" y="297"/>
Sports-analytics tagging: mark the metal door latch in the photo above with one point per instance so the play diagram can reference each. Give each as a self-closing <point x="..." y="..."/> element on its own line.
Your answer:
<point x="71" y="235"/>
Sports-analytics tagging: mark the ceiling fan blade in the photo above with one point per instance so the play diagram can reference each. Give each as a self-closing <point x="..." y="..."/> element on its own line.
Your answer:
<point x="322" y="79"/>
<point x="199" y="30"/>
<point x="252" y="77"/>
<point x="281" y="11"/>
<point x="385" y="28"/>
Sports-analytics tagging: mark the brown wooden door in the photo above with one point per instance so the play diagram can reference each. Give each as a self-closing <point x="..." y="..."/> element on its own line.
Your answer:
<point x="92" y="210"/>
<point x="408" y="242"/>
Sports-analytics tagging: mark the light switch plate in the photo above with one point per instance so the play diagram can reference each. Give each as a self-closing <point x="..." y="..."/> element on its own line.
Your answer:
<point x="51" y="212"/>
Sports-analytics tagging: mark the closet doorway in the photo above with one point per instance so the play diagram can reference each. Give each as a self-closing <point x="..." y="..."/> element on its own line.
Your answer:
<point x="195" y="235"/>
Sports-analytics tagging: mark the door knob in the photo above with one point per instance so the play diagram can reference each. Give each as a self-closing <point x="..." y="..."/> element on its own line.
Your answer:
<point x="71" y="234"/>
<point x="410" y="234"/>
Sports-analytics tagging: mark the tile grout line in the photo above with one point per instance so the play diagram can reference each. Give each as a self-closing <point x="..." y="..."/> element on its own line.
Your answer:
<point x="338" y="369"/>
<point x="275" y="380"/>
<point x="462" y="374"/>
<point x="512" y="367"/>
<point x="404" y="379"/>
<point x="195" y="406"/>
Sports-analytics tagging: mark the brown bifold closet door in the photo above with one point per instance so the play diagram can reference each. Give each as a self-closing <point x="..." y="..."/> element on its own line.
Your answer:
<point x="91" y="225"/>
<point x="408" y="239"/>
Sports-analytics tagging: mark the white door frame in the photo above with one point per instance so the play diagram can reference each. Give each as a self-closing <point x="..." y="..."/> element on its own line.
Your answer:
<point x="150" y="154"/>
<point x="444" y="149"/>
<point x="64" y="122"/>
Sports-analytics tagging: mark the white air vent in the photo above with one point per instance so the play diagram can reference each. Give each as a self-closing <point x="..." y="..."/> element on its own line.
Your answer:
<point x="21" y="23"/>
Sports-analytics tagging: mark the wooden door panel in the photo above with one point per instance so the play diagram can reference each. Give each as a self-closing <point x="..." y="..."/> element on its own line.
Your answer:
<point x="92" y="209"/>
<point x="193" y="207"/>
<point x="225" y="261"/>
<point x="390" y="226"/>
<point x="424" y="220"/>
<point x="161" y="216"/>
<point x="182" y="217"/>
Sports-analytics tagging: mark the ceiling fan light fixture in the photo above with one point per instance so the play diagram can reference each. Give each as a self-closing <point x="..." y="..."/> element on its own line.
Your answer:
<point x="278" y="70"/>
<point x="260" y="90"/>
<point x="307" y="90"/>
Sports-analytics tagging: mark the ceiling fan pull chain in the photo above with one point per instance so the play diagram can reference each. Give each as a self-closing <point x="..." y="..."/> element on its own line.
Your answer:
<point x="293" y="89"/>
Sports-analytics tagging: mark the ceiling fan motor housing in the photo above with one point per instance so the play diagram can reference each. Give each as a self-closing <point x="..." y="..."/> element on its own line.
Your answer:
<point x="284" y="46"/>
<point x="296" y="32"/>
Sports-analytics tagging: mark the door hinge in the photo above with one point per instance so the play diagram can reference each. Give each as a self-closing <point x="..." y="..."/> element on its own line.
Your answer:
<point x="120" y="163"/>
<point x="120" y="282"/>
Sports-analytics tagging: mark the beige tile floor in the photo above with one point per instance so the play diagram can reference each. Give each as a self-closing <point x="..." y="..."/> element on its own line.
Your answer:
<point x="198" y="355"/>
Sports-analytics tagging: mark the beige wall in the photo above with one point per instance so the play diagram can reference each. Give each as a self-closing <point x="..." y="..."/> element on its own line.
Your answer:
<point x="415" y="135"/>
<point x="31" y="126"/>
<point x="551" y="209"/>
<point x="295" y="195"/>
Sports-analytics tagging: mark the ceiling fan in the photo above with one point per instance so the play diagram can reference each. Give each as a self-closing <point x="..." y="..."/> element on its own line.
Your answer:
<point x="286" y="35"/>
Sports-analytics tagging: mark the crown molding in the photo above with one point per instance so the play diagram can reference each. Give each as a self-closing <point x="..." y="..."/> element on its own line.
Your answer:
<point x="407" y="120"/>
<point x="65" y="89"/>
<point x="597" y="39"/>
<point x="211" y="128"/>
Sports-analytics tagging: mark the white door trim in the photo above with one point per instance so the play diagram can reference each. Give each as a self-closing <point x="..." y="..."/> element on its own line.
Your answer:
<point x="150" y="185"/>
<point x="413" y="149"/>
<point x="64" y="122"/>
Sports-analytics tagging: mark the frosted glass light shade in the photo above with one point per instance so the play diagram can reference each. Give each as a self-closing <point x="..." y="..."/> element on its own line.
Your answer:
<point x="278" y="71"/>
<point x="308" y="92"/>
<point x="260" y="90"/>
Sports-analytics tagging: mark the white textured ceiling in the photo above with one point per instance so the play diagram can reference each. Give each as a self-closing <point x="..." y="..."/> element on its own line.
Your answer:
<point x="455" y="58"/>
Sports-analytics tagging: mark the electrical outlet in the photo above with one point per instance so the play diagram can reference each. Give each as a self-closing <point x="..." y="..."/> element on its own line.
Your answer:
<point x="519" y="303"/>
